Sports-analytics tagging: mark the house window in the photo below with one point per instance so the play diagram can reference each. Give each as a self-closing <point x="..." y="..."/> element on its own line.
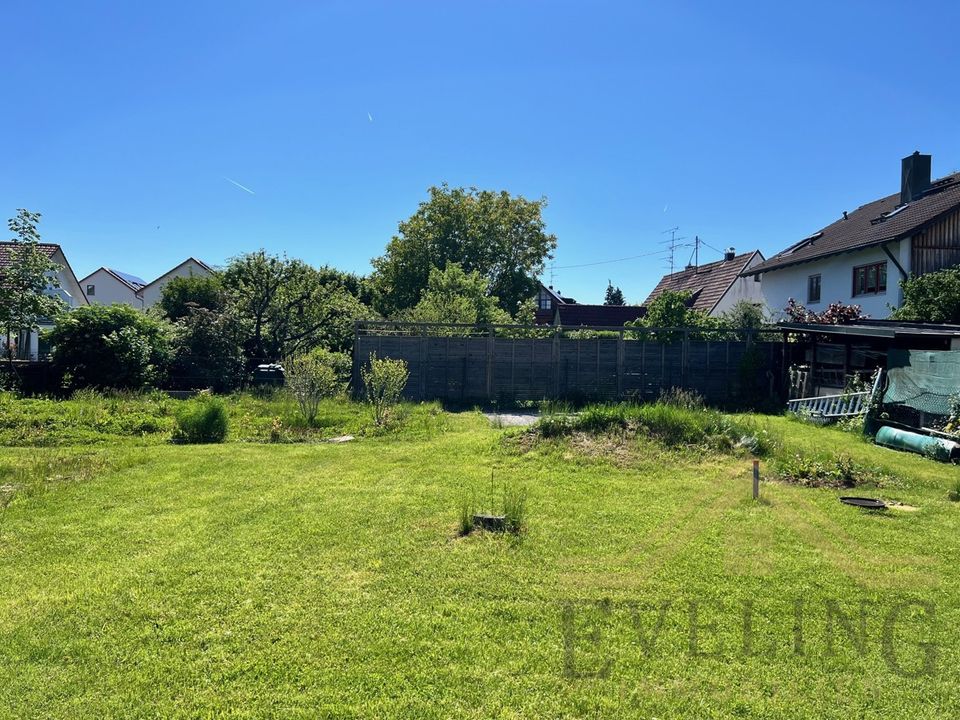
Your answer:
<point x="545" y="302"/>
<point x="91" y="290"/>
<point x="870" y="279"/>
<point x="813" y="289"/>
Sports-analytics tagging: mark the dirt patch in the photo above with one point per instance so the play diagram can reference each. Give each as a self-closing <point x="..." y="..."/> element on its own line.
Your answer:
<point x="902" y="507"/>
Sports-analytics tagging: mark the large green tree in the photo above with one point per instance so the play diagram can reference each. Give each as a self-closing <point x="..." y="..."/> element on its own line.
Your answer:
<point x="25" y="279"/>
<point x="501" y="236"/>
<point x="287" y="308"/>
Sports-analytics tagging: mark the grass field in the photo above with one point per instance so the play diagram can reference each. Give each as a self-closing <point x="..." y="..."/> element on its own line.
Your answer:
<point x="142" y="579"/>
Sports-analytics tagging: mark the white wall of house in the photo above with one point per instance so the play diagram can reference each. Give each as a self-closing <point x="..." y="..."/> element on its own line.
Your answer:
<point x="151" y="293"/>
<point x="836" y="282"/>
<point x="743" y="288"/>
<point x="107" y="290"/>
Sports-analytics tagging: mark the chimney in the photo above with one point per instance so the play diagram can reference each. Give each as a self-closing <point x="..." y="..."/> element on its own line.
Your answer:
<point x="914" y="177"/>
<point x="729" y="254"/>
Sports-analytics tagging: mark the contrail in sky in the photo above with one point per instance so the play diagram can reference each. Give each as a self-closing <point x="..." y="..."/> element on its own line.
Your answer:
<point x="242" y="187"/>
<point x="370" y="116"/>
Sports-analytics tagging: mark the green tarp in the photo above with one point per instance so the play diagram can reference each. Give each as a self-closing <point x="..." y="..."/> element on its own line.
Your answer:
<point x="922" y="379"/>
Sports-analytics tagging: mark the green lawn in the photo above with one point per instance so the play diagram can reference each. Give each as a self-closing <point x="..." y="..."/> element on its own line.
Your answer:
<point x="143" y="579"/>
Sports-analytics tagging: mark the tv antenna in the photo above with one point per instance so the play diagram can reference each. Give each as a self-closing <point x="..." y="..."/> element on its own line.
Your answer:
<point x="672" y="245"/>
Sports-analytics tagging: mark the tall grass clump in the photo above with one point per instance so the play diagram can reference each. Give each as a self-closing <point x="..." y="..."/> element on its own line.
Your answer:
<point x="514" y="508"/>
<point x="202" y="420"/>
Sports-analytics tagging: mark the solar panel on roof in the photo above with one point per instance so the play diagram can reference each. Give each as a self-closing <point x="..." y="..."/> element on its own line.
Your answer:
<point x="132" y="279"/>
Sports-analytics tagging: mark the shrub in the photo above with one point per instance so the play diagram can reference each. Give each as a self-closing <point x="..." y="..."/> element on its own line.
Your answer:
<point x="311" y="378"/>
<point x="203" y="420"/>
<point x="383" y="382"/>
<point x="110" y="346"/>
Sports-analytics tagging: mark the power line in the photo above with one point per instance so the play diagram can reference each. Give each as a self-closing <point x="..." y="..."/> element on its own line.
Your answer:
<point x="606" y="262"/>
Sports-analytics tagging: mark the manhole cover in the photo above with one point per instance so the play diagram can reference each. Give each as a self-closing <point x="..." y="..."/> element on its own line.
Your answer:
<point x="869" y="503"/>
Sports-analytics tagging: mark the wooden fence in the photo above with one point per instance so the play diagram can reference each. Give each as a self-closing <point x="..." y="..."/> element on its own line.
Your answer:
<point x="516" y="363"/>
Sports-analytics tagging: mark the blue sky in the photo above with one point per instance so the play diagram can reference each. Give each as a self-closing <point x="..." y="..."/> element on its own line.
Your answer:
<point x="750" y="125"/>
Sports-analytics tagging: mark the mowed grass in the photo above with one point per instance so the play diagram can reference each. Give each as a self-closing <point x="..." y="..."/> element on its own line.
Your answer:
<point x="322" y="580"/>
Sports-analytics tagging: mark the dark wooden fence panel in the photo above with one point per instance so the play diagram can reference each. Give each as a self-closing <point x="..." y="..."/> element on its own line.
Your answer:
<point x="485" y="368"/>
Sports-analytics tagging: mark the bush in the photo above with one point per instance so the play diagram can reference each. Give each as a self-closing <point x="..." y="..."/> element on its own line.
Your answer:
<point x="110" y="346"/>
<point x="203" y="420"/>
<point x="932" y="298"/>
<point x="311" y="378"/>
<point x="206" y="351"/>
<point x="383" y="382"/>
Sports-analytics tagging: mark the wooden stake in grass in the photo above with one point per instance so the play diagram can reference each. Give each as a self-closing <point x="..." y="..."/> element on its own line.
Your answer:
<point x="756" y="479"/>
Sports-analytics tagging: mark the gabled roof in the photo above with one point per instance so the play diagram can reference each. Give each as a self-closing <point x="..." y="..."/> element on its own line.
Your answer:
<point x="707" y="283"/>
<point x="556" y="296"/>
<point x="6" y="254"/>
<point x="875" y="223"/>
<point x="48" y="249"/>
<point x="131" y="281"/>
<point x="572" y="314"/>
<point x="177" y="267"/>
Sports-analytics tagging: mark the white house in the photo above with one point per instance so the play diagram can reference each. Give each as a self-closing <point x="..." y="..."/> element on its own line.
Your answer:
<point x="149" y="294"/>
<point x="27" y="343"/>
<point x="107" y="286"/>
<point x="861" y="257"/>
<point x="715" y="287"/>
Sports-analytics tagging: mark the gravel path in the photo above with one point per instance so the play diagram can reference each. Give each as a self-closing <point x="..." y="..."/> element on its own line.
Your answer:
<point x="512" y="419"/>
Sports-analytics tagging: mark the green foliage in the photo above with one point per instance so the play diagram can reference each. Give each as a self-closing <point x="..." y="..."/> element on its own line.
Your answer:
<point x="453" y="296"/>
<point x="24" y="282"/>
<point x="202" y="420"/>
<point x="383" y="383"/>
<point x="677" y="421"/>
<point x="312" y="378"/>
<point x="613" y="296"/>
<point x="183" y="294"/>
<point x="932" y="298"/>
<point x="819" y="470"/>
<point x="110" y="346"/>
<point x="671" y="309"/>
<point x="745" y="315"/>
<point x="500" y="236"/>
<point x="288" y="307"/>
<point x="207" y="351"/>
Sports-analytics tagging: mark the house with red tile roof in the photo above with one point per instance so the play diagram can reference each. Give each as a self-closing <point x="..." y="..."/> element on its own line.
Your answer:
<point x="717" y="286"/>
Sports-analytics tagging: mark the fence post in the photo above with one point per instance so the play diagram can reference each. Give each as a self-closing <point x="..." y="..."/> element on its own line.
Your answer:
<point x="490" y="356"/>
<point x="555" y="353"/>
<point x="684" y="357"/>
<point x="423" y="364"/>
<point x="355" y="374"/>
<point x="620" y="350"/>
